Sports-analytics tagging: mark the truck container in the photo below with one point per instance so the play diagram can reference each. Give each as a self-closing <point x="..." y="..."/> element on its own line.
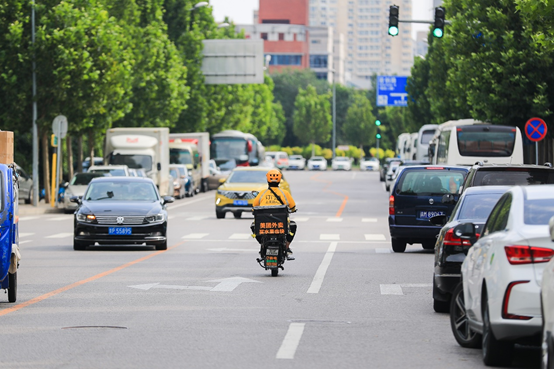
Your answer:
<point x="202" y="142"/>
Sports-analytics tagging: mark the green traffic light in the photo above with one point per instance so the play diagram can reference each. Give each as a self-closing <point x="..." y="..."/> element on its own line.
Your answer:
<point x="393" y="31"/>
<point x="378" y="135"/>
<point x="377" y="122"/>
<point x="437" y="32"/>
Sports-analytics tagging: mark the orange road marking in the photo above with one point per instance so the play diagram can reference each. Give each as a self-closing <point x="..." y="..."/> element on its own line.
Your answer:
<point x="341" y="209"/>
<point x="76" y="284"/>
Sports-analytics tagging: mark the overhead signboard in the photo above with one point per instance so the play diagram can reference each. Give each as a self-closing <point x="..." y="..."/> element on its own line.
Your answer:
<point x="227" y="62"/>
<point x="391" y="91"/>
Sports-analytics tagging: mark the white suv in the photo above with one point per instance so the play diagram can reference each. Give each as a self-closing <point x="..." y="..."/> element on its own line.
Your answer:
<point x="112" y="170"/>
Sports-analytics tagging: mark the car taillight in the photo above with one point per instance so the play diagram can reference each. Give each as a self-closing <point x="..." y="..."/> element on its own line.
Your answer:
<point x="517" y="254"/>
<point x="505" y="313"/>
<point x="391" y="205"/>
<point x="451" y="240"/>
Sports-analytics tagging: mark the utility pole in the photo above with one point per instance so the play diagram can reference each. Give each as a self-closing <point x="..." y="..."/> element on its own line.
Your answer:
<point x="334" y="114"/>
<point x="35" y="129"/>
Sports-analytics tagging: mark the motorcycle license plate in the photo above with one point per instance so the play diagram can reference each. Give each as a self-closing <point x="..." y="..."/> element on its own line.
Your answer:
<point x="120" y="231"/>
<point x="240" y="202"/>
<point x="272" y="252"/>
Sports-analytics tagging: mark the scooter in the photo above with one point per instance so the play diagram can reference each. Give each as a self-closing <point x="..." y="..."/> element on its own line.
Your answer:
<point x="9" y="239"/>
<point x="271" y="227"/>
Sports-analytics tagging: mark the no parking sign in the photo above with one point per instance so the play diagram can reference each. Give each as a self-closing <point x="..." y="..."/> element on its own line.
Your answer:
<point x="535" y="129"/>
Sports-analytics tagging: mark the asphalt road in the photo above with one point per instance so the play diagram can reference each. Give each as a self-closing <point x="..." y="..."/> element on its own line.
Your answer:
<point x="205" y="302"/>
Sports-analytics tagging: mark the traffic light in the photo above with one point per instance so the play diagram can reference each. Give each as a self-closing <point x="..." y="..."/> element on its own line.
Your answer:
<point x="377" y="122"/>
<point x="378" y="135"/>
<point x="438" y="26"/>
<point x="394" y="11"/>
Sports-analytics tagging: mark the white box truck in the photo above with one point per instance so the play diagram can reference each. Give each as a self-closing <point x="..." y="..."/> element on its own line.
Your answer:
<point x="145" y="148"/>
<point x="202" y="142"/>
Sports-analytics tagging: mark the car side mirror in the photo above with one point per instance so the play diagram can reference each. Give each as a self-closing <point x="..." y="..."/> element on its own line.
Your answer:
<point x="66" y="184"/>
<point x="222" y="180"/>
<point x="466" y="231"/>
<point x="449" y="199"/>
<point x="159" y="166"/>
<point x="76" y="199"/>
<point x="168" y="199"/>
<point x="438" y="220"/>
<point x="551" y="228"/>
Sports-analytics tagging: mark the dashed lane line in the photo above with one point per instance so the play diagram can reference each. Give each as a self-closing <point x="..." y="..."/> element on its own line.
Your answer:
<point x="334" y="219"/>
<point x="23" y="234"/>
<point x="198" y="217"/>
<point x="375" y="237"/>
<point x="67" y="217"/>
<point x="300" y="219"/>
<point x="195" y="236"/>
<point x="30" y="217"/>
<point x="240" y="236"/>
<point x="291" y="341"/>
<point x="369" y="220"/>
<point x="329" y="237"/>
<point x="322" y="270"/>
<point x="60" y="235"/>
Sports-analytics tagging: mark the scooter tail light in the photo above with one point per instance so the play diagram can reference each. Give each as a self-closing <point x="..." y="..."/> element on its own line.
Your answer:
<point x="520" y="254"/>
<point x="391" y="205"/>
<point x="505" y="314"/>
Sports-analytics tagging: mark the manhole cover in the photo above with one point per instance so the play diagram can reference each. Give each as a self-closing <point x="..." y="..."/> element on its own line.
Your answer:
<point x="95" y="327"/>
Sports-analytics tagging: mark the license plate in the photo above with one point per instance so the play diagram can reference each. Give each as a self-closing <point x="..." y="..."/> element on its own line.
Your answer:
<point x="429" y="214"/>
<point x="316" y="166"/>
<point x="120" y="231"/>
<point x="272" y="252"/>
<point x="293" y="167"/>
<point x="240" y="202"/>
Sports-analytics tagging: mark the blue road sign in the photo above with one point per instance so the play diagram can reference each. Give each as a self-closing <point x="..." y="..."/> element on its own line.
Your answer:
<point x="391" y="91"/>
<point x="535" y="129"/>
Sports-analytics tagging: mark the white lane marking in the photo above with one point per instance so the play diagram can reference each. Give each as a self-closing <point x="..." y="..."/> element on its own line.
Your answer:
<point x="198" y="217"/>
<point x="22" y="242"/>
<point x="334" y="219"/>
<point x="353" y="175"/>
<point x="21" y="235"/>
<point x="375" y="237"/>
<point x="369" y="220"/>
<point x="67" y="217"/>
<point x="396" y="289"/>
<point x="322" y="270"/>
<point x="240" y="236"/>
<point x="229" y="284"/>
<point x="383" y="251"/>
<point x="329" y="237"/>
<point x="291" y="341"/>
<point x="60" y="235"/>
<point x="300" y="219"/>
<point x="30" y="218"/>
<point x="188" y="202"/>
<point x="224" y="249"/>
<point x="195" y="236"/>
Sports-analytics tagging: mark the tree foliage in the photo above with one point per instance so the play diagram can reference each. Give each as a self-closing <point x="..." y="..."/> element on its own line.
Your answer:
<point x="312" y="116"/>
<point x="359" y="127"/>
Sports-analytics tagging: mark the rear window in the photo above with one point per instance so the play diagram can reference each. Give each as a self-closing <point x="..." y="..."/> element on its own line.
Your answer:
<point x="514" y="177"/>
<point x="486" y="140"/>
<point x="429" y="182"/>
<point x="478" y="207"/>
<point x="538" y="211"/>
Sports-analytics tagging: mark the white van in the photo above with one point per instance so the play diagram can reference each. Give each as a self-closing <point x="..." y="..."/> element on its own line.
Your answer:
<point x="465" y="142"/>
<point x="425" y="135"/>
<point x="413" y="145"/>
<point x="402" y="146"/>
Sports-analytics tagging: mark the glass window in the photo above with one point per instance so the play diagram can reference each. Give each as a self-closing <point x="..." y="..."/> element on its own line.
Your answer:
<point x="121" y="191"/>
<point x="180" y="156"/>
<point x="254" y="176"/>
<point x="486" y="141"/>
<point x="498" y="215"/>
<point x="538" y="211"/>
<point x="83" y="179"/>
<point x="513" y="177"/>
<point x="430" y="182"/>
<point x="478" y="207"/>
<point x="132" y="161"/>
<point x="426" y="136"/>
<point x="277" y="59"/>
<point x="318" y="61"/>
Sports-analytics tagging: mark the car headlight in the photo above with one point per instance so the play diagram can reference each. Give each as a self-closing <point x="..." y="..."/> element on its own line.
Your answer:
<point x="89" y="218"/>
<point x="155" y="218"/>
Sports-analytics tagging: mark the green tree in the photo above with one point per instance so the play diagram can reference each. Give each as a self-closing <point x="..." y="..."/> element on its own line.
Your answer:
<point x="312" y="118"/>
<point x="359" y="127"/>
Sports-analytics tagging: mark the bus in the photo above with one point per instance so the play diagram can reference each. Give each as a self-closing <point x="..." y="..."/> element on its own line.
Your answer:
<point x="426" y="133"/>
<point x="233" y="148"/>
<point x="403" y="146"/>
<point x="467" y="141"/>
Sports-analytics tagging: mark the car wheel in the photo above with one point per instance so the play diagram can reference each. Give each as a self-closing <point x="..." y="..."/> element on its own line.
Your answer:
<point x="398" y="245"/>
<point x="162" y="246"/>
<point x="12" y="288"/>
<point x="428" y="245"/>
<point x="29" y="199"/>
<point x="459" y="323"/>
<point x="495" y="352"/>
<point x="79" y="245"/>
<point x="237" y="214"/>
<point x="387" y="188"/>
<point x="219" y="214"/>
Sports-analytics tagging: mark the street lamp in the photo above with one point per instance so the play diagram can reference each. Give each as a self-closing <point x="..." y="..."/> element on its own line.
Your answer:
<point x="199" y="5"/>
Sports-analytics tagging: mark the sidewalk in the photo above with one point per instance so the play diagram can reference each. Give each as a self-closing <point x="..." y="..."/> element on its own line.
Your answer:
<point x="42" y="208"/>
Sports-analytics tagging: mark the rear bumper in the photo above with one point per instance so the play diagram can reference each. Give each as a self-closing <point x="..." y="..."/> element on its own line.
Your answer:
<point x="225" y="209"/>
<point x="445" y="285"/>
<point x="413" y="233"/>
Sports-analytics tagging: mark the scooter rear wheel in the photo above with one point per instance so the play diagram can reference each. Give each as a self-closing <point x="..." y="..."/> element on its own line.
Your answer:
<point x="12" y="289"/>
<point x="274" y="272"/>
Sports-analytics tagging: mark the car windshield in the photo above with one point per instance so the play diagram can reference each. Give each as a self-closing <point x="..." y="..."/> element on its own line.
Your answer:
<point x="429" y="182"/>
<point x="513" y="177"/>
<point x="317" y="159"/>
<point x="370" y="159"/>
<point x="179" y="156"/>
<point x="132" y="161"/>
<point x="174" y="173"/>
<point x="538" y="211"/>
<point x="295" y="157"/>
<point x="250" y="176"/>
<point x="112" y="172"/>
<point x="478" y="206"/>
<point x="121" y="191"/>
<point x="341" y="158"/>
<point x="83" y="179"/>
<point x="182" y="171"/>
<point x="426" y="136"/>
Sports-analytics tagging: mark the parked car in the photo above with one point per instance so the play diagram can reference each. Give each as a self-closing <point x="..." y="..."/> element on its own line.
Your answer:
<point x="280" y="159"/>
<point x="25" y="185"/>
<point x="112" y="170"/>
<point x="547" y="309"/>
<point x="417" y="196"/>
<point x="266" y="163"/>
<point x="137" y="213"/>
<point x="237" y="193"/>
<point x="76" y="188"/>
<point x="98" y="160"/>
<point x="141" y="173"/>
<point x="369" y="163"/>
<point x="473" y="206"/>
<point x="317" y="163"/>
<point x="214" y="181"/>
<point x="391" y="174"/>
<point x="501" y="275"/>
<point x="297" y="162"/>
<point x="508" y="175"/>
<point x="179" y="181"/>
<point x="385" y="168"/>
<point x="341" y="163"/>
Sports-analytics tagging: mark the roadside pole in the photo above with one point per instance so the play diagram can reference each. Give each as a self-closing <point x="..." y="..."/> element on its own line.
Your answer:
<point x="59" y="127"/>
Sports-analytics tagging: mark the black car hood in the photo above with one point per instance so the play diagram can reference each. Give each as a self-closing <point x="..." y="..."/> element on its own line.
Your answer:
<point x="107" y="207"/>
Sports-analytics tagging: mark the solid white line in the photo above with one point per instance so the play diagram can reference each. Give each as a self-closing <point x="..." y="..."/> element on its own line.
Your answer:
<point x="22" y="242"/>
<point x="21" y="235"/>
<point x="30" y="217"/>
<point x="322" y="270"/>
<point x="60" y="235"/>
<point x="375" y="237"/>
<point x="391" y="289"/>
<point x="300" y="219"/>
<point x="302" y="241"/>
<point x="369" y="220"/>
<point x="329" y="237"/>
<point x="67" y="217"/>
<point x="353" y="175"/>
<point x="291" y="341"/>
<point x="188" y="202"/>
<point x="334" y="219"/>
<point x="195" y="236"/>
<point x="240" y="236"/>
<point x="198" y="217"/>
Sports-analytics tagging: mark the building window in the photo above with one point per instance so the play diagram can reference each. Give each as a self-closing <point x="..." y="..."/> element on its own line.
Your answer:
<point x="279" y="59"/>
<point x="276" y="21"/>
<point x="318" y="61"/>
<point x="281" y="37"/>
<point x="321" y="75"/>
<point x="264" y="35"/>
<point x="316" y="41"/>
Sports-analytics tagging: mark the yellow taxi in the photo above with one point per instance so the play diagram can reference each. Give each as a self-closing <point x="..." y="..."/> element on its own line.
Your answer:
<point x="238" y="191"/>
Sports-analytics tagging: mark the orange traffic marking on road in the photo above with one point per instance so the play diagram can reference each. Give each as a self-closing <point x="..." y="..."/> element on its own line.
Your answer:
<point x="84" y="281"/>
<point x="341" y="209"/>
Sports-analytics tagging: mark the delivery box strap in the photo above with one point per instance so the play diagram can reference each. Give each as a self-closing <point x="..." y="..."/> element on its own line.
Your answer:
<point x="278" y="197"/>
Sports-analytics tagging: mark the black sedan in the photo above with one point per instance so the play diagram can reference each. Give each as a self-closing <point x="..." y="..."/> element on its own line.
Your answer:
<point x="474" y="206"/>
<point x="121" y="210"/>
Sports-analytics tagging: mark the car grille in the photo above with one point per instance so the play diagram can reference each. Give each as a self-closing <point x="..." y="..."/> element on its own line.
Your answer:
<point x="127" y="220"/>
<point x="240" y="195"/>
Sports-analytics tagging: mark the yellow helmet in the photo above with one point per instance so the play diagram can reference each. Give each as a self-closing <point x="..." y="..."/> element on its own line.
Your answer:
<point x="274" y="176"/>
